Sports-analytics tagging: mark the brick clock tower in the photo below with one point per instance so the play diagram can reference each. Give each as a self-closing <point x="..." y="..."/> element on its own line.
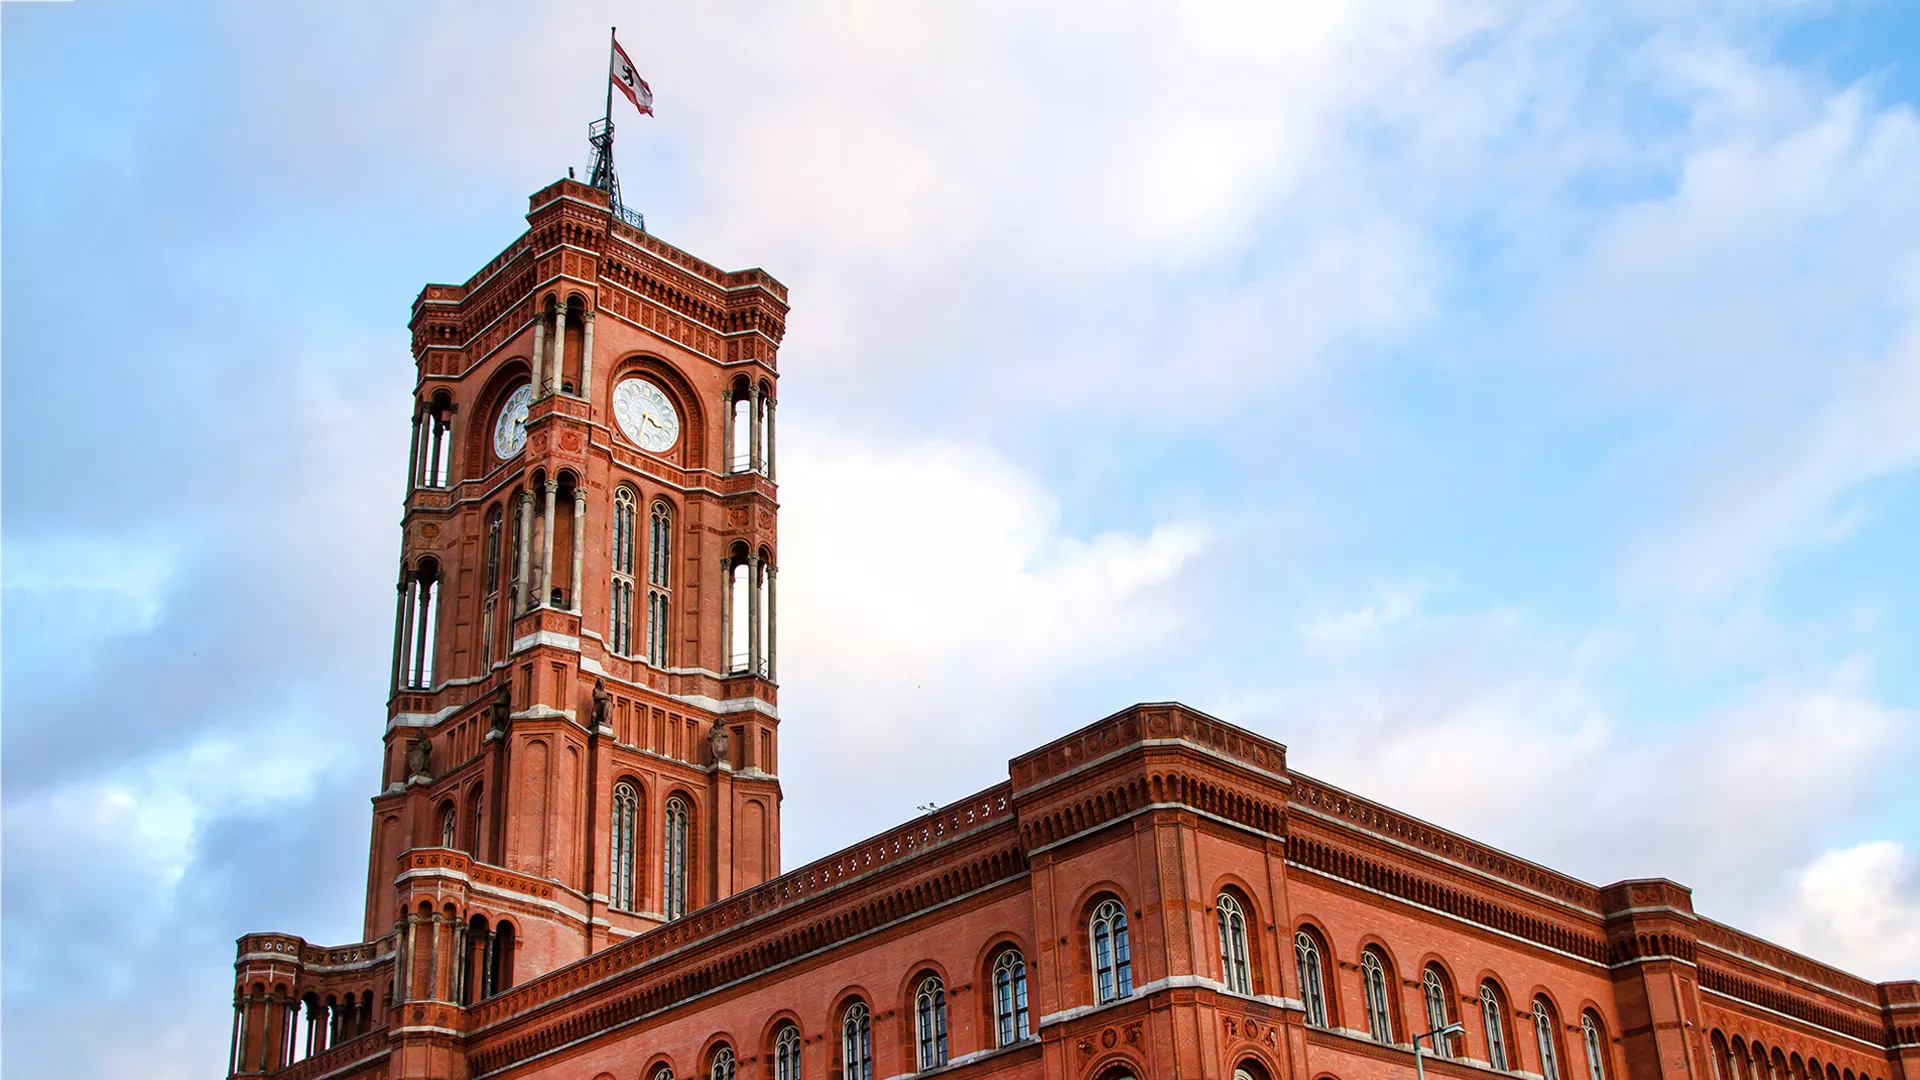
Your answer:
<point x="582" y="737"/>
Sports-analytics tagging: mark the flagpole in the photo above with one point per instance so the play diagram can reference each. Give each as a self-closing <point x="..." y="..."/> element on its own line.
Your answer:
<point x="612" y="43"/>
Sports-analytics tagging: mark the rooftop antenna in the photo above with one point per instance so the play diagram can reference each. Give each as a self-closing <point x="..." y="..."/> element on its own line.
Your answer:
<point x="600" y="137"/>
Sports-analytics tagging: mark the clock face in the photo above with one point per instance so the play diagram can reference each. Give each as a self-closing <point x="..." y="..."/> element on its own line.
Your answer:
<point x="646" y="414"/>
<point x="510" y="431"/>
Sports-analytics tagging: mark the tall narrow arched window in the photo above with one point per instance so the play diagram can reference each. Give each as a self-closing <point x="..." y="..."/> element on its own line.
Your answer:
<point x="1493" y="1019"/>
<point x="1112" y="954"/>
<point x="518" y="598"/>
<point x="1433" y="988"/>
<point x="488" y="615"/>
<point x="722" y="1068"/>
<point x="1373" y="983"/>
<point x="620" y="600"/>
<point x="626" y="816"/>
<point x="786" y="1054"/>
<point x="930" y="1022"/>
<point x="1313" y="986"/>
<point x="449" y="826"/>
<point x="659" y="590"/>
<point x="1232" y="922"/>
<point x="1595" y="1045"/>
<point x="856" y="1043"/>
<point x="473" y="822"/>
<point x="1543" y="1037"/>
<point x="1010" y="997"/>
<point x="674" y="872"/>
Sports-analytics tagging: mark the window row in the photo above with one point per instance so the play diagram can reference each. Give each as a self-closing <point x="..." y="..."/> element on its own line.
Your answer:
<point x="1739" y="1058"/>
<point x="1438" y="1001"/>
<point x="854" y="1049"/>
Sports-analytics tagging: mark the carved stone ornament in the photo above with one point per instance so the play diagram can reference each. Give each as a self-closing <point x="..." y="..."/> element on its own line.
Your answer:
<point x="420" y="757"/>
<point x="602" y="703"/>
<point x="502" y="709"/>
<point x="720" y="741"/>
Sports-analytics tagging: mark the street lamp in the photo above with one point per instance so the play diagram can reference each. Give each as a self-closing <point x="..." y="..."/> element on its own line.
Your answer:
<point x="1454" y="1028"/>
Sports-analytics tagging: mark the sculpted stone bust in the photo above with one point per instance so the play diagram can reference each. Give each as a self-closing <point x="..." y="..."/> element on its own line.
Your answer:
<point x="420" y="757"/>
<point x="720" y="741"/>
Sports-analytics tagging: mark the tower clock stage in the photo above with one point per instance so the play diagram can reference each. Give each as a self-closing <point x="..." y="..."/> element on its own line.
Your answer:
<point x="574" y="860"/>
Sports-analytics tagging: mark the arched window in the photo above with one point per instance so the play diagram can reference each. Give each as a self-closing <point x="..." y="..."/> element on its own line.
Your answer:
<point x="519" y="598"/>
<point x="1543" y="1035"/>
<point x="1433" y="987"/>
<point x="626" y="814"/>
<point x="1112" y="955"/>
<point x="930" y="1022"/>
<point x="1313" y="987"/>
<point x="664" y="1072"/>
<point x="856" y="1043"/>
<point x="659" y="591"/>
<point x="722" y="1064"/>
<point x="488" y="630"/>
<point x="1373" y="983"/>
<point x="416" y="637"/>
<point x="1492" y="1014"/>
<point x="449" y="825"/>
<point x="1233" y="943"/>
<point x="473" y="822"/>
<point x="786" y="1054"/>
<point x="1595" y="1044"/>
<point x="620" y="600"/>
<point x="674" y="877"/>
<point x="1010" y="997"/>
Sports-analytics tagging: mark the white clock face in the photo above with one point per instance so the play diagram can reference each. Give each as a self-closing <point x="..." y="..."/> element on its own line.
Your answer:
<point x="510" y="431"/>
<point x="646" y="415"/>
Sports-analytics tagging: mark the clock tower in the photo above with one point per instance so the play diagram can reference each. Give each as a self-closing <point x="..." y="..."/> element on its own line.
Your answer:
<point x="583" y="734"/>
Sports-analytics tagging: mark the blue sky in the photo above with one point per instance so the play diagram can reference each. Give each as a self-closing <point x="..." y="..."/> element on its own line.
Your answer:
<point x="1513" y="407"/>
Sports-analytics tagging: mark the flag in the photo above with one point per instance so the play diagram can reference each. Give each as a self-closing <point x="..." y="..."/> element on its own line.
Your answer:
<point x="630" y="82"/>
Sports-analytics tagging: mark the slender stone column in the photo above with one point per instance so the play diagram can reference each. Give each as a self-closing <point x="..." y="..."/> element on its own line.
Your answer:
<point x="399" y="630"/>
<point x="753" y="614"/>
<point x="558" y="345"/>
<point x="423" y="605"/>
<point x="437" y="433"/>
<point x="486" y="961"/>
<point x="266" y="1029"/>
<point x="726" y="438"/>
<point x="433" y="957"/>
<point x="413" y="454"/>
<point x="539" y="350"/>
<point x="773" y="623"/>
<point x="726" y="615"/>
<point x="524" y="602"/>
<point x="768" y="439"/>
<point x="461" y="961"/>
<point x="399" y="957"/>
<point x="546" y="545"/>
<point x="233" y="1044"/>
<point x="753" y="428"/>
<point x="579" y="545"/>
<point x="586" y="354"/>
<point x="413" y="921"/>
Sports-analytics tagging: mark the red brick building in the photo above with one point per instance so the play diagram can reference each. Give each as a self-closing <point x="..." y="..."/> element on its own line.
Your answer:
<point x="575" y="856"/>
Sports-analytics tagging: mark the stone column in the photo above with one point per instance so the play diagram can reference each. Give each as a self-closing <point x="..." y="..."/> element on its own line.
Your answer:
<point x="400" y="630"/>
<point x="579" y="544"/>
<point x="753" y="428"/>
<point x="726" y="436"/>
<point x="406" y="977"/>
<point x="753" y="614"/>
<point x="233" y="1044"/>
<point x="539" y="349"/>
<point x="413" y="453"/>
<point x="438" y="435"/>
<point x="433" y="957"/>
<point x="726" y="615"/>
<point x="586" y="354"/>
<point x="773" y="623"/>
<point x="524" y="602"/>
<point x="487" y="954"/>
<point x="423" y="607"/>
<point x="460" y="962"/>
<point x="769" y="438"/>
<point x="559" y="347"/>
<point x="546" y="544"/>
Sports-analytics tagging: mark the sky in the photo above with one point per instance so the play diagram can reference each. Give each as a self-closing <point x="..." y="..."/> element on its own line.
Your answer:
<point x="1512" y="406"/>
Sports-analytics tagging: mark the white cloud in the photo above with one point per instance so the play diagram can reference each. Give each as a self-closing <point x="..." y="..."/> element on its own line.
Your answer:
<point x="1857" y="907"/>
<point x="929" y="595"/>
